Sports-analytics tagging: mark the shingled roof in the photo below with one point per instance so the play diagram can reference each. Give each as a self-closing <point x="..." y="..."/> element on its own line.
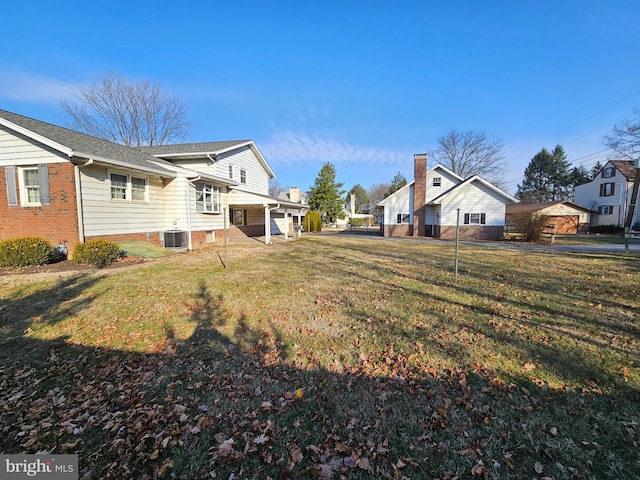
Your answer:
<point x="626" y="168"/>
<point x="73" y="143"/>
<point x="193" y="148"/>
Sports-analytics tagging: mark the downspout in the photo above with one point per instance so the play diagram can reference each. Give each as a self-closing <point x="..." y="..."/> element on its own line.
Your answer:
<point x="213" y="160"/>
<point x="80" y="210"/>
<point x="190" y="182"/>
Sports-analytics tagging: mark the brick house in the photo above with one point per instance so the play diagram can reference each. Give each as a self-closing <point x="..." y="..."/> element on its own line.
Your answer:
<point x="430" y="204"/>
<point x="63" y="185"/>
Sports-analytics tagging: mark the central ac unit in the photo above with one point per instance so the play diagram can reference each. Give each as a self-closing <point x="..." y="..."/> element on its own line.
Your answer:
<point x="175" y="239"/>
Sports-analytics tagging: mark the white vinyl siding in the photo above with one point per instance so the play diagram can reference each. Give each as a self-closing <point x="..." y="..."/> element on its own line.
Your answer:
<point x="473" y="198"/>
<point x="241" y="159"/>
<point x="589" y="195"/>
<point x="19" y="152"/>
<point x="104" y="216"/>
<point x="400" y="203"/>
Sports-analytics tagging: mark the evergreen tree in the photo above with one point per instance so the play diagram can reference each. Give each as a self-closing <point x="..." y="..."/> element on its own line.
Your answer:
<point x="396" y="184"/>
<point x="595" y="170"/>
<point x="326" y="195"/>
<point x="547" y="178"/>
<point x="361" y="199"/>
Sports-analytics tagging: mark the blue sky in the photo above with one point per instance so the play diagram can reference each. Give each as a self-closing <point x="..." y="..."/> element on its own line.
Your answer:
<point x="361" y="84"/>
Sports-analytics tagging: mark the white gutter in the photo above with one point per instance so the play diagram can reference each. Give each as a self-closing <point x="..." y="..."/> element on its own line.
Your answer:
<point x="214" y="160"/>
<point x="80" y="210"/>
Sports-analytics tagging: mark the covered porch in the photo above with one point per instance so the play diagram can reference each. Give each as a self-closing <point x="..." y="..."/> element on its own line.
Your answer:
<point x="263" y="216"/>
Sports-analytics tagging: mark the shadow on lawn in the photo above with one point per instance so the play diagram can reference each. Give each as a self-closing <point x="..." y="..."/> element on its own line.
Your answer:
<point x="233" y="406"/>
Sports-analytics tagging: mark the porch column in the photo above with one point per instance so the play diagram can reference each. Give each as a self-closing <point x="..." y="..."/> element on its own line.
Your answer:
<point x="267" y="225"/>
<point x="286" y="225"/>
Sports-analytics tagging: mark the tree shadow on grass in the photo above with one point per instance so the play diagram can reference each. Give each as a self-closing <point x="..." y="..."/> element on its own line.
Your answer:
<point x="232" y="404"/>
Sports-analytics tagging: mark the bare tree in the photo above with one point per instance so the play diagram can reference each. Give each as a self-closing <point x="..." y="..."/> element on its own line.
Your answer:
<point x="131" y="113"/>
<point x="377" y="192"/>
<point x="625" y="137"/>
<point x="469" y="153"/>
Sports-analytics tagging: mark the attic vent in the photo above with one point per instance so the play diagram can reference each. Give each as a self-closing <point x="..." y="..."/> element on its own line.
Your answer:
<point x="175" y="239"/>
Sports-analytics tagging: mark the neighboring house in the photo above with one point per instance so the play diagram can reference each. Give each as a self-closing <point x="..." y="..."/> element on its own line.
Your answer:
<point x="429" y="206"/>
<point x="567" y="217"/>
<point x="609" y="193"/>
<point x="63" y="185"/>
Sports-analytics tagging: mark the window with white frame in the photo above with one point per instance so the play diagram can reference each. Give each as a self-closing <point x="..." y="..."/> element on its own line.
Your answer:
<point x="231" y="172"/>
<point x="475" y="218"/>
<point x="403" y="218"/>
<point x="208" y="198"/>
<point x="437" y="181"/>
<point x="30" y="186"/>
<point x="33" y="182"/>
<point x="605" y="210"/>
<point x="243" y="176"/>
<point x="125" y="187"/>
<point x="138" y="189"/>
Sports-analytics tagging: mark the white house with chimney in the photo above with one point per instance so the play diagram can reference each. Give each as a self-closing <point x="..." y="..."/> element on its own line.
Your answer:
<point x="437" y="199"/>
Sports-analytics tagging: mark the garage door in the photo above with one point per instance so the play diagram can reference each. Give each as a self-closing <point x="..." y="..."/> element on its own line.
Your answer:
<point x="565" y="223"/>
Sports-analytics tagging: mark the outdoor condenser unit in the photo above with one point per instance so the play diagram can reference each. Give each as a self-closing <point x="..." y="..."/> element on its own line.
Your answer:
<point x="175" y="239"/>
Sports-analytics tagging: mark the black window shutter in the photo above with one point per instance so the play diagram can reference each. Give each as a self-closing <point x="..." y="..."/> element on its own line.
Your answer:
<point x="613" y="189"/>
<point x="43" y="181"/>
<point x="12" y="192"/>
<point x="246" y="217"/>
<point x="602" y="172"/>
<point x="466" y="219"/>
<point x="602" y="189"/>
<point x="483" y="218"/>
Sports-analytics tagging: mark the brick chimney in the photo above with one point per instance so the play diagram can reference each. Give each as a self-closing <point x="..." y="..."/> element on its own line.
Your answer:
<point x="419" y="193"/>
<point x="294" y="194"/>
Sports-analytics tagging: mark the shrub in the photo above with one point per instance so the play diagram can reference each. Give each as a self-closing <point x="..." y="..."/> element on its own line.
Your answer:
<point x="96" y="252"/>
<point x="530" y="225"/>
<point x="312" y="221"/>
<point x="606" y="229"/>
<point x="357" y="222"/>
<point x="25" y="252"/>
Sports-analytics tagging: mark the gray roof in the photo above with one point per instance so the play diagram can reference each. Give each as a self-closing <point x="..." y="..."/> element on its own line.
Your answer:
<point x="85" y="145"/>
<point x="192" y="148"/>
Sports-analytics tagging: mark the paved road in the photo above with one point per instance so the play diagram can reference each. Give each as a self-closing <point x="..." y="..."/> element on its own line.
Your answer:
<point x="593" y="248"/>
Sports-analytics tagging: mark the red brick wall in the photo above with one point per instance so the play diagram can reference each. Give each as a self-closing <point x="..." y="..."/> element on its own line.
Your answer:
<point x="400" y="230"/>
<point x="476" y="232"/>
<point x="56" y="222"/>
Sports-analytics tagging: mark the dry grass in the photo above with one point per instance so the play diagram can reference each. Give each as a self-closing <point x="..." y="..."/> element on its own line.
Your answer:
<point x="330" y="357"/>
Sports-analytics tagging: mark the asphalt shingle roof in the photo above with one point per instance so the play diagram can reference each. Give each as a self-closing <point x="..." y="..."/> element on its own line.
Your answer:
<point x="186" y="148"/>
<point x="626" y="168"/>
<point x="85" y="144"/>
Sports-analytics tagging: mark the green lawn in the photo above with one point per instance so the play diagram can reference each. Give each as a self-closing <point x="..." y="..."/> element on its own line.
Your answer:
<point x="329" y="357"/>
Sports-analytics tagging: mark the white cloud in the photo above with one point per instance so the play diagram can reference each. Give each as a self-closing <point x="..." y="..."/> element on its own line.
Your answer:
<point x="18" y="85"/>
<point x="295" y="148"/>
